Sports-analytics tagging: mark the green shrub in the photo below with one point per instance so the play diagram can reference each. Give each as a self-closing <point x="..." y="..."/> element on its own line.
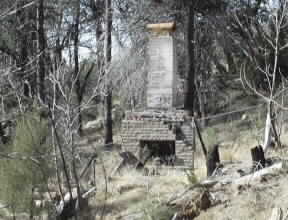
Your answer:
<point x="211" y="136"/>
<point x="191" y="177"/>
<point x="28" y="167"/>
<point x="159" y="213"/>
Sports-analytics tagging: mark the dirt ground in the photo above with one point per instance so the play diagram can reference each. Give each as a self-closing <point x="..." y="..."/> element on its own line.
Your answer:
<point x="132" y="196"/>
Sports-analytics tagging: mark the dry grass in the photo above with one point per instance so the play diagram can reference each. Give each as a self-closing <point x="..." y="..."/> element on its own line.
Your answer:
<point x="200" y="168"/>
<point x="251" y="202"/>
<point x="131" y="192"/>
<point x="237" y="151"/>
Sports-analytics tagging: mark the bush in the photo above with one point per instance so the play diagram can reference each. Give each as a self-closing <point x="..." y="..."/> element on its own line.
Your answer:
<point x="28" y="167"/>
<point x="211" y="136"/>
<point x="191" y="177"/>
<point x="160" y="213"/>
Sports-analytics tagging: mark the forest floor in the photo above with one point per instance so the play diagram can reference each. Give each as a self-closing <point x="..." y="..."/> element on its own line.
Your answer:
<point x="132" y="196"/>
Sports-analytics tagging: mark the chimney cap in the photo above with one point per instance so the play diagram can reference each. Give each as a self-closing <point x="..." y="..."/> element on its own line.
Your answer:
<point x="162" y="27"/>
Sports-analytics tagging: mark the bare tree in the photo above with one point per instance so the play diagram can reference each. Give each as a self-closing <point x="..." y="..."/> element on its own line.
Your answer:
<point x="64" y="119"/>
<point x="271" y="71"/>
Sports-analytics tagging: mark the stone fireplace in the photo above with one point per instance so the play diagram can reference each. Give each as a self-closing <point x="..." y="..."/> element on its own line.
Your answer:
<point x="160" y="127"/>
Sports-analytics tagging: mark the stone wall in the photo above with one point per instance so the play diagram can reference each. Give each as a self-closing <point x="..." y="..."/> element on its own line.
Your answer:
<point x="140" y="128"/>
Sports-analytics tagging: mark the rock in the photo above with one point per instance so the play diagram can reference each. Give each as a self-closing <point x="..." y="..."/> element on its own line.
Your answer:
<point x="193" y="208"/>
<point x="189" y="212"/>
<point x="204" y="201"/>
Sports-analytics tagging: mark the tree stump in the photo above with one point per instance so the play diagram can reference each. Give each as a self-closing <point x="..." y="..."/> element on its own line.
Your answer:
<point x="70" y="207"/>
<point x="213" y="160"/>
<point x="258" y="158"/>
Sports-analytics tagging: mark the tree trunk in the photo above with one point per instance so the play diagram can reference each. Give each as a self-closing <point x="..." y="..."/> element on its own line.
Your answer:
<point x="108" y="98"/>
<point x="59" y="47"/>
<point x="76" y="64"/>
<point x="276" y="134"/>
<point x="201" y="103"/>
<point x="21" y="63"/>
<point x="31" y="216"/>
<point x="268" y="125"/>
<point x="200" y="137"/>
<point x="99" y="31"/>
<point x="190" y="72"/>
<point x="212" y="160"/>
<point x="258" y="158"/>
<point x="108" y="118"/>
<point x="79" y="97"/>
<point x="41" y="52"/>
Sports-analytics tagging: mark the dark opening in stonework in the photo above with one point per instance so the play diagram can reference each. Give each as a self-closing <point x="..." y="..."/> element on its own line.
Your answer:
<point x="165" y="150"/>
<point x="178" y="132"/>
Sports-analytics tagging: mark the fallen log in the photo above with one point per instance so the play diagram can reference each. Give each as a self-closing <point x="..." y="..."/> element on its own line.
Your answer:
<point x="240" y="181"/>
<point x="258" y="174"/>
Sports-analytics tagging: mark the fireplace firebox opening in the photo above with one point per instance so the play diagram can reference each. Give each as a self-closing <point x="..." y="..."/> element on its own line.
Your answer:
<point x="165" y="150"/>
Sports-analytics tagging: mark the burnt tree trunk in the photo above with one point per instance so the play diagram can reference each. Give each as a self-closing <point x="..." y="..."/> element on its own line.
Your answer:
<point x="108" y="97"/>
<point x="98" y="12"/>
<point x="212" y="160"/>
<point x="41" y="51"/>
<point x="200" y="138"/>
<point x="22" y="33"/>
<point x="59" y="44"/>
<point x="258" y="158"/>
<point x="190" y="72"/>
